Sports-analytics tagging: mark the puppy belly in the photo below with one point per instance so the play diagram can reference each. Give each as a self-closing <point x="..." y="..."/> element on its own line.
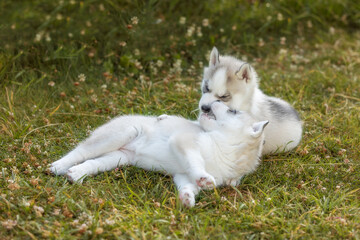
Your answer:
<point x="165" y="164"/>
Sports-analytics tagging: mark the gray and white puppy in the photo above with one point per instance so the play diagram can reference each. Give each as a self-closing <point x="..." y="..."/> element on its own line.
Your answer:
<point x="235" y="83"/>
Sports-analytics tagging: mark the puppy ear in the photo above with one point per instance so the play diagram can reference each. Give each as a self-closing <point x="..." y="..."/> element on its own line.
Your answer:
<point x="258" y="128"/>
<point x="244" y="73"/>
<point x="214" y="57"/>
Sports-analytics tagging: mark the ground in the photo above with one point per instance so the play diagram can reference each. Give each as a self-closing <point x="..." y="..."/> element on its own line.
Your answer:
<point x="67" y="67"/>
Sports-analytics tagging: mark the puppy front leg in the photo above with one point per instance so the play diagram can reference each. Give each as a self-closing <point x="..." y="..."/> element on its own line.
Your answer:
<point x="187" y="190"/>
<point x="188" y="154"/>
<point x="197" y="169"/>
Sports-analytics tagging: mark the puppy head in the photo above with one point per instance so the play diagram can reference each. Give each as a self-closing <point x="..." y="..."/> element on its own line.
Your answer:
<point x="227" y="79"/>
<point x="232" y="123"/>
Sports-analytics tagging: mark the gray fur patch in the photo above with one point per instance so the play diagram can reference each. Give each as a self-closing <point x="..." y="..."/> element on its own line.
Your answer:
<point x="281" y="110"/>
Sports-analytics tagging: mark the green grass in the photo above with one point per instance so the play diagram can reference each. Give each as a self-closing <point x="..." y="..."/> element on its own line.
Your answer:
<point x="306" y="52"/>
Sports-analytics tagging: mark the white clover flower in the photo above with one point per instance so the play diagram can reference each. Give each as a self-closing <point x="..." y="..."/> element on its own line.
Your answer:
<point x="280" y="17"/>
<point x="182" y="20"/>
<point x="282" y="40"/>
<point x="142" y="78"/>
<point x="15" y="169"/>
<point x="191" y="69"/>
<point x="332" y="30"/>
<point x="47" y="37"/>
<point x="109" y="222"/>
<point x="39" y="36"/>
<point x="159" y="63"/>
<point x="25" y="203"/>
<point x="177" y="66"/>
<point x="261" y="42"/>
<point x="153" y="69"/>
<point x="134" y="20"/>
<point x="94" y="98"/>
<point x="83" y="227"/>
<point x="198" y="32"/>
<point x="9" y="224"/>
<point x="283" y="51"/>
<point x="122" y="44"/>
<point x="138" y="64"/>
<point x="51" y="83"/>
<point x="38" y="209"/>
<point x="59" y="17"/>
<point x="309" y="24"/>
<point x="293" y="67"/>
<point x="180" y="87"/>
<point x="205" y="22"/>
<point x="190" y="31"/>
<point x="82" y="77"/>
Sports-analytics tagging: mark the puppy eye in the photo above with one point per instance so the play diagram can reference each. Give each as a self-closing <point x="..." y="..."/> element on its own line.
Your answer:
<point x="233" y="111"/>
<point x="206" y="89"/>
<point x="224" y="98"/>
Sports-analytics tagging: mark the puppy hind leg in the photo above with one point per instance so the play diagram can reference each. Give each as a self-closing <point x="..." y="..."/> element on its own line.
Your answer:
<point x="99" y="143"/>
<point x="104" y="163"/>
<point x="60" y="166"/>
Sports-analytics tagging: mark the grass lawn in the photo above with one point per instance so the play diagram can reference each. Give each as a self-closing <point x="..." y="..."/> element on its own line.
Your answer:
<point x="68" y="66"/>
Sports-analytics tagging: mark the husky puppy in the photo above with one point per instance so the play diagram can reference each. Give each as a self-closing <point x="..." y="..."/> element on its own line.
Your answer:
<point x="218" y="150"/>
<point x="235" y="83"/>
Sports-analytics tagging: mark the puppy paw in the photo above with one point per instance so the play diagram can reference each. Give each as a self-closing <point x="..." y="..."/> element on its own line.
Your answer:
<point x="59" y="167"/>
<point x="206" y="181"/>
<point x="232" y="182"/>
<point x="162" y="117"/>
<point x="187" y="197"/>
<point x="76" y="174"/>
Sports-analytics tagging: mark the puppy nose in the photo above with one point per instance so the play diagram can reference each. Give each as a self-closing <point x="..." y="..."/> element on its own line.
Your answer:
<point x="206" y="108"/>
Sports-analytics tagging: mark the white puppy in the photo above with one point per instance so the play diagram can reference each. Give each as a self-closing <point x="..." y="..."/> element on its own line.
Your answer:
<point x="220" y="149"/>
<point x="235" y="83"/>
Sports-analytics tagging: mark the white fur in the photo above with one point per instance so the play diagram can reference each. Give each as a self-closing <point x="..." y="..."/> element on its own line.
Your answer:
<point x="228" y="75"/>
<point x="199" y="155"/>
